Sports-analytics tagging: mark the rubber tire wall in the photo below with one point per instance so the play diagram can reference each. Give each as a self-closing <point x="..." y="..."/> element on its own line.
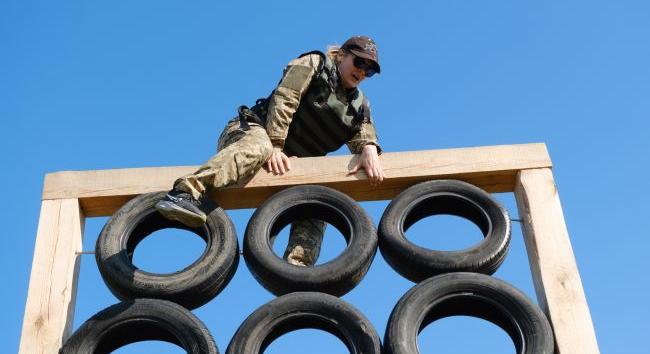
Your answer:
<point x="190" y="287"/>
<point x="305" y="310"/>
<point x="468" y="294"/>
<point x="443" y="197"/>
<point x="143" y="319"/>
<point x="336" y="277"/>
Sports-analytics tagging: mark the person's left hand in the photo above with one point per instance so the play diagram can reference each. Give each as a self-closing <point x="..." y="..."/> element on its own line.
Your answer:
<point x="278" y="163"/>
<point x="369" y="160"/>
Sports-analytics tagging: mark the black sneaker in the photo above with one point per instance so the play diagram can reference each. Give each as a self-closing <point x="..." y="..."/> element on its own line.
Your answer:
<point x="181" y="206"/>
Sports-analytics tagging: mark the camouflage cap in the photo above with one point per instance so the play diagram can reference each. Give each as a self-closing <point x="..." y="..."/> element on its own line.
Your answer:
<point x="363" y="47"/>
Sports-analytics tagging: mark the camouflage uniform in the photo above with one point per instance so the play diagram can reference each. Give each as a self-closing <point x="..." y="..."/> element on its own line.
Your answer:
<point x="241" y="153"/>
<point x="286" y="99"/>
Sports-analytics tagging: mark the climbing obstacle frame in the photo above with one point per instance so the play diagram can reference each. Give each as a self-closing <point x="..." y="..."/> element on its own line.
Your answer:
<point x="71" y="196"/>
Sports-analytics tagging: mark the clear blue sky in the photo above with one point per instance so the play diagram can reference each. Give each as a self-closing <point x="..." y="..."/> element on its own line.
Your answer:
<point x="100" y="85"/>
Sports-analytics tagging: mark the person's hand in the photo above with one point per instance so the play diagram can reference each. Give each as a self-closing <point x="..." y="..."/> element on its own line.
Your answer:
<point x="369" y="161"/>
<point x="278" y="163"/>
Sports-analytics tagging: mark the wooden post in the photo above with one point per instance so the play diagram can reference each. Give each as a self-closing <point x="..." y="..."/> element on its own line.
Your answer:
<point x="49" y="311"/>
<point x="555" y="273"/>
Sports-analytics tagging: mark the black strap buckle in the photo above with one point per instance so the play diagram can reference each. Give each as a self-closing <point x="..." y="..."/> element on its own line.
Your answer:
<point x="244" y="113"/>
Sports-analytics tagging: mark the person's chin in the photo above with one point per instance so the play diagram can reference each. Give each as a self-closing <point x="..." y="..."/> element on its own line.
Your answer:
<point x="350" y="84"/>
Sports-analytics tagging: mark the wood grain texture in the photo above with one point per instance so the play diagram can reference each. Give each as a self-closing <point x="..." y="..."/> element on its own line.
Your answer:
<point x="492" y="168"/>
<point x="555" y="273"/>
<point x="49" y="310"/>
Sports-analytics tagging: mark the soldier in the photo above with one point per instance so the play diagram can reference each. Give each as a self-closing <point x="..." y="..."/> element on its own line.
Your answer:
<point x="315" y="109"/>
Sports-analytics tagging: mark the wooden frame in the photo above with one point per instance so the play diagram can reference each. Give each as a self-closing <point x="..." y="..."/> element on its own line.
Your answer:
<point x="70" y="197"/>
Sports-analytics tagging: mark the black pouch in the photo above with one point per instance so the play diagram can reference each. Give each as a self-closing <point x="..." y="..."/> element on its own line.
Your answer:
<point x="256" y="114"/>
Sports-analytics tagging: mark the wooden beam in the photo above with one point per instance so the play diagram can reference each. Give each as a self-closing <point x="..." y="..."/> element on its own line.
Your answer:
<point x="555" y="273"/>
<point x="49" y="310"/>
<point x="492" y="168"/>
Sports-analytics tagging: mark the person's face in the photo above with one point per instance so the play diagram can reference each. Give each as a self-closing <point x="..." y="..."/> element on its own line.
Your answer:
<point x="351" y="76"/>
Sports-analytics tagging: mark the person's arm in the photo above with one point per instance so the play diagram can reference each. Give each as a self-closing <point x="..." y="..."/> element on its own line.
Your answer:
<point x="284" y="103"/>
<point x="367" y="135"/>
<point x="365" y="143"/>
<point x="286" y="97"/>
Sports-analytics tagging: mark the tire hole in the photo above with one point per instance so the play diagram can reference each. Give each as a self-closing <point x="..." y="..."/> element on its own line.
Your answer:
<point x="444" y="232"/>
<point x="152" y="346"/>
<point x="464" y="334"/>
<point x="168" y="251"/>
<point x="304" y="341"/>
<point x="333" y="243"/>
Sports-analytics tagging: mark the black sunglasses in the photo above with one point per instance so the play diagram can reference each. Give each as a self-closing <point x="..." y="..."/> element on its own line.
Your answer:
<point x="363" y="64"/>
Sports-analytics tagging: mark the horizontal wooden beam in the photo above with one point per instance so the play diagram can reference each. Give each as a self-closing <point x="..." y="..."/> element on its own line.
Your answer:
<point x="493" y="168"/>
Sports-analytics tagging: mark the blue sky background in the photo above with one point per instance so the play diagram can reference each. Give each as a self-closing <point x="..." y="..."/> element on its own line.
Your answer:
<point x="101" y="85"/>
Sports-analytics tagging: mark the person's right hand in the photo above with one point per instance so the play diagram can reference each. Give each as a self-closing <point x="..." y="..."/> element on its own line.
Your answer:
<point x="278" y="163"/>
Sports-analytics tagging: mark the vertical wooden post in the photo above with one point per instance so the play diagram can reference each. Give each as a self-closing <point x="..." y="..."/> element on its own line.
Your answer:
<point x="555" y="273"/>
<point x="49" y="311"/>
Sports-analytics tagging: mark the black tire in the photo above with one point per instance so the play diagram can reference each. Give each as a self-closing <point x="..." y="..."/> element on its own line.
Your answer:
<point x="191" y="287"/>
<point x="143" y="319"/>
<point x="468" y="294"/>
<point x="335" y="277"/>
<point x="305" y="310"/>
<point x="443" y="197"/>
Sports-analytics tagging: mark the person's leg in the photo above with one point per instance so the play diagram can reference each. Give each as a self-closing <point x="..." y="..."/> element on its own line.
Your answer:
<point x="305" y="239"/>
<point x="240" y="155"/>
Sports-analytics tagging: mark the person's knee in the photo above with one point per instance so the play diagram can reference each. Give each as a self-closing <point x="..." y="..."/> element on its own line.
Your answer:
<point x="251" y="153"/>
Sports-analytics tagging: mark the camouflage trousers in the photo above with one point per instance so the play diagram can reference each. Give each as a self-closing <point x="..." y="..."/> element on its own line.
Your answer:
<point x="240" y="154"/>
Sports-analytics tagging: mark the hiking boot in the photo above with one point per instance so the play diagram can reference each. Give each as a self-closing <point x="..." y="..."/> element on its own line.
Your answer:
<point x="296" y="262"/>
<point x="297" y="257"/>
<point x="180" y="206"/>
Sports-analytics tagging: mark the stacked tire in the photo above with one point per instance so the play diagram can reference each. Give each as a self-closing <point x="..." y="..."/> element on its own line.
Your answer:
<point x="336" y="277"/>
<point x="449" y="283"/>
<point x="156" y="306"/>
<point x="308" y="296"/>
<point x="139" y="320"/>
<point x="455" y="283"/>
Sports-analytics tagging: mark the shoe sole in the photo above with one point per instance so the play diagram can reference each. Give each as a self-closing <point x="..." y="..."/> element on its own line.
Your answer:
<point x="172" y="212"/>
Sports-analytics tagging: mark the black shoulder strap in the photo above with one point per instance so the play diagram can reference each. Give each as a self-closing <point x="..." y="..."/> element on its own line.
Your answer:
<point x="322" y="56"/>
<point x="262" y="104"/>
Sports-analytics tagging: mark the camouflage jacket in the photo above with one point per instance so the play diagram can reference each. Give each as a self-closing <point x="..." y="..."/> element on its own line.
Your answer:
<point x="286" y="98"/>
